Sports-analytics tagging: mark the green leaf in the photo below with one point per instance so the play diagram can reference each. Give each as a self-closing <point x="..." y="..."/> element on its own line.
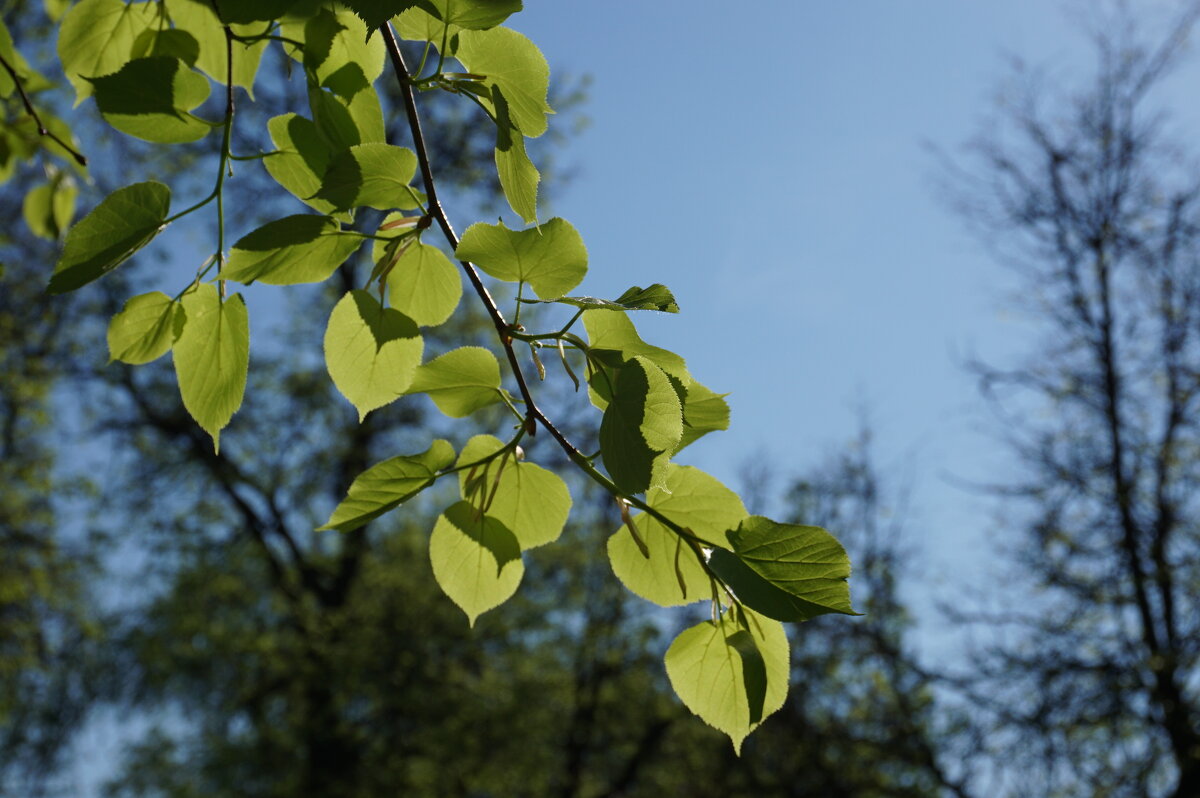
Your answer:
<point x="212" y="356"/>
<point x="418" y="24"/>
<point x="198" y="19"/>
<point x="342" y="122"/>
<point x="296" y="249"/>
<point x="376" y="12"/>
<point x="96" y="38"/>
<point x="476" y="559"/>
<point x="55" y="8"/>
<point x="167" y="43"/>
<point x="514" y="64"/>
<point x="48" y="208"/>
<point x="461" y="381"/>
<point x="786" y="571"/>
<point x="253" y="10"/>
<point x="423" y="285"/>
<point x="703" y="412"/>
<point x="551" y="258"/>
<point x="149" y="98"/>
<point x="372" y="352"/>
<point x="641" y="426"/>
<point x="654" y="297"/>
<point x="529" y="500"/>
<point x="145" y="329"/>
<point x="119" y="226"/>
<point x="475" y="14"/>
<point x="693" y="500"/>
<point x="731" y="675"/>
<point x="371" y="175"/>
<point x="335" y="41"/>
<point x="518" y="176"/>
<point x="615" y="332"/>
<point x="385" y="486"/>
<point x="300" y="159"/>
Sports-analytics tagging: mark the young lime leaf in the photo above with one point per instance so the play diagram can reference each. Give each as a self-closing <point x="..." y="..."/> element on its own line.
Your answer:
<point x="253" y="10"/>
<point x="615" y="332"/>
<point x="417" y="24"/>
<point x="167" y="43"/>
<point x="124" y="222"/>
<point x="655" y="297"/>
<point x="703" y="412"/>
<point x="551" y="258"/>
<point x="295" y="249"/>
<point x="145" y="329"/>
<point x="476" y="559"/>
<point x="731" y="675"/>
<point x="385" y="486"/>
<point x="197" y="18"/>
<point x="96" y="38"/>
<point x="787" y="571"/>
<point x="336" y="41"/>
<point x="641" y="426"/>
<point x="49" y="207"/>
<point x="371" y="351"/>
<point x="514" y="64"/>
<point x="212" y="356"/>
<point x="475" y="14"/>
<point x="376" y="12"/>
<point x="300" y="159"/>
<point x="149" y="99"/>
<point x="371" y="175"/>
<point x="693" y="500"/>
<point x="526" y="498"/>
<point x="461" y="381"/>
<point x="518" y="176"/>
<point x="423" y="285"/>
<point x="342" y="123"/>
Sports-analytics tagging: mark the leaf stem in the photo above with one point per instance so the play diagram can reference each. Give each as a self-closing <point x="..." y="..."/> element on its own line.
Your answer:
<point x="37" y="120"/>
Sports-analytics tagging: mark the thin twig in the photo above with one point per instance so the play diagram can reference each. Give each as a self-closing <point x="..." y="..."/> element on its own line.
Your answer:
<point x="42" y="129"/>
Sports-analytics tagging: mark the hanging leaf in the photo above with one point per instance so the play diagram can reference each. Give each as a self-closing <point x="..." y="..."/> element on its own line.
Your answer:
<point x="96" y="38"/>
<point x="695" y="501"/>
<point x="372" y="352"/>
<point x="476" y="559"/>
<point x="149" y="98"/>
<point x="119" y="226"/>
<point x="703" y="412"/>
<point x="461" y="381"/>
<point x="514" y="64"/>
<point x="299" y="160"/>
<point x="615" y="332"/>
<point x="296" y="249"/>
<point x="518" y="176"/>
<point x="145" y="329"/>
<point x="423" y="284"/>
<point x="197" y="18"/>
<point x="373" y="176"/>
<point x="786" y="571"/>
<point x="529" y="500"/>
<point x="641" y="426"/>
<point x="212" y="356"/>
<point x="731" y="675"/>
<point x="551" y="258"/>
<point x="385" y="486"/>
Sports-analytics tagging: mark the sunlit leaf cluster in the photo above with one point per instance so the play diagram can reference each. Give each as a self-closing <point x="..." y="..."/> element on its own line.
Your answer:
<point x="679" y="536"/>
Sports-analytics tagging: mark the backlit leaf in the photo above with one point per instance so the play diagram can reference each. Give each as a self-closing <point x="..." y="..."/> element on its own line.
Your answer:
<point x="96" y="38"/>
<point x="476" y="559"/>
<point x="145" y="329"/>
<point x="371" y="175"/>
<point x="641" y="426"/>
<point x="149" y="98"/>
<point x="514" y="64"/>
<point x="551" y="258"/>
<point x="124" y="222"/>
<point x="299" y="159"/>
<point x="371" y="351"/>
<point x="461" y="381"/>
<point x="423" y="284"/>
<point x="731" y="675"/>
<point x="212" y="355"/>
<point x="296" y="249"/>
<point x="531" y="501"/>
<point x="385" y="486"/>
